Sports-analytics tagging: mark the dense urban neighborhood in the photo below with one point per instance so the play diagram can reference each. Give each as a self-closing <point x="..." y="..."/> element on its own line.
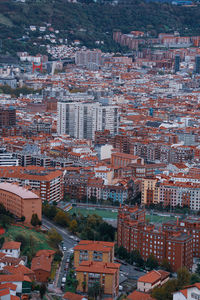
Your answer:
<point x="99" y="152"/>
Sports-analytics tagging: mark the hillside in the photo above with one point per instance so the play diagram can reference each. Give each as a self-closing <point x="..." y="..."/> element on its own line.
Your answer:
<point x="91" y="22"/>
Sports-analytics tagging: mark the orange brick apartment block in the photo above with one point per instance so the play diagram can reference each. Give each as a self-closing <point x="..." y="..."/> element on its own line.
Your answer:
<point x="167" y="242"/>
<point x="20" y="201"/>
<point x="107" y="274"/>
<point x="93" y="251"/>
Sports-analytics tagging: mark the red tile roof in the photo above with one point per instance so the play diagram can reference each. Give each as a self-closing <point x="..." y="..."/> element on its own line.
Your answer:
<point x="98" y="267"/>
<point x="11" y="245"/>
<point x="72" y="296"/>
<point x="139" y="296"/>
<point x="153" y="276"/>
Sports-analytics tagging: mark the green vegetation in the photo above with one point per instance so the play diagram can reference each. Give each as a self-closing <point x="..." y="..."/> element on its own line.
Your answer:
<point x="32" y="240"/>
<point x="6" y="89"/>
<point x="184" y="278"/>
<point x="90" y="22"/>
<point x="90" y="227"/>
<point x="108" y="214"/>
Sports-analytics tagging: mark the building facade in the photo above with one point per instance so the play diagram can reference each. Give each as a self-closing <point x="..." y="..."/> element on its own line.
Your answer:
<point x="166" y="243"/>
<point x="20" y="201"/>
<point x="82" y="119"/>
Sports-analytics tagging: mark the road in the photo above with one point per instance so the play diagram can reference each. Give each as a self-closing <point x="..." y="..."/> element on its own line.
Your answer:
<point x="130" y="272"/>
<point x="67" y="241"/>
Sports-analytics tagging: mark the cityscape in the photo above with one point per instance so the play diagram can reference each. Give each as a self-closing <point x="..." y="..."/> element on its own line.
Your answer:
<point x="99" y="150"/>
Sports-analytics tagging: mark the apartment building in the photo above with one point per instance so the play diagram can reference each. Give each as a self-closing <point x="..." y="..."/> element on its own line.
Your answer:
<point x="96" y="251"/>
<point x="20" y="201"/>
<point x="88" y="57"/>
<point x="171" y="193"/>
<point x="7" y="116"/>
<point x="49" y="182"/>
<point x="82" y="119"/>
<point x="106" y="274"/>
<point x="176" y="246"/>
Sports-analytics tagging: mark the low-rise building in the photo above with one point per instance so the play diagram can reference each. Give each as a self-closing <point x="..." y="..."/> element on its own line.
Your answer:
<point x="152" y="279"/>
<point x="41" y="265"/>
<point x="11" y="249"/>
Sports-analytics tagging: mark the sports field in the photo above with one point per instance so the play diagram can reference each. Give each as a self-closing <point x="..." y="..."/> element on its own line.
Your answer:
<point x="112" y="214"/>
<point x="104" y="213"/>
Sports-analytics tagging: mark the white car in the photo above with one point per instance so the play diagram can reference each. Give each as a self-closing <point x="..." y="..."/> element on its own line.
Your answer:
<point x="64" y="248"/>
<point x="63" y="279"/>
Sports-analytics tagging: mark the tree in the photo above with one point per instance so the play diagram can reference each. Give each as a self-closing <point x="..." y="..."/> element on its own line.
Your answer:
<point x="2" y="209"/>
<point x="23" y="219"/>
<point x="194" y="278"/>
<point x="54" y="237"/>
<point x="84" y="284"/>
<point x="95" y="290"/>
<point x="183" y="277"/>
<point x="135" y="257"/>
<point x="58" y="255"/>
<point x="43" y="290"/>
<point x="73" y="226"/>
<point x="61" y="218"/>
<point x="122" y="253"/>
<point x="198" y="269"/>
<point x="5" y="221"/>
<point x="151" y="262"/>
<point x="2" y="239"/>
<point x="23" y="240"/>
<point x="35" y="221"/>
<point x="166" y="266"/>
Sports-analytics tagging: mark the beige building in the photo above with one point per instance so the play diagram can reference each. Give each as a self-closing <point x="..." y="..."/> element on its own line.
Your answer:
<point x="20" y="201"/>
<point x="150" y="191"/>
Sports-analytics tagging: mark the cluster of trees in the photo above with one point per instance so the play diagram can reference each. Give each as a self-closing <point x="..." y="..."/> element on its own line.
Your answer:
<point x="27" y="245"/>
<point x="134" y="257"/>
<point x="184" y="278"/>
<point x="6" y="89"/>
<point x="91" y="227"/>
<point x="6" y="218"/>
<point x="69" y="18"/>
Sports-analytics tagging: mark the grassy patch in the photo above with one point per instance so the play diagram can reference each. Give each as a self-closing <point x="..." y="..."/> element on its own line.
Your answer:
<point x="5" y="21"/>
<point x="40" y="239"/>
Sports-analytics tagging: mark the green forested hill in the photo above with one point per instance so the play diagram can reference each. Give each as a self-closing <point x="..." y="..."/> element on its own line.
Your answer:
<point x="96" y="21"/>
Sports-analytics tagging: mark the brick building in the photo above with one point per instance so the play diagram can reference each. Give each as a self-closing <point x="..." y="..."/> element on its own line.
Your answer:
<point x="7" y="117"/>
<point x="20" y="201"/>
<point x="173" y="244"/>
<point x="41" y="265"/>
<point x="49" y="182"/>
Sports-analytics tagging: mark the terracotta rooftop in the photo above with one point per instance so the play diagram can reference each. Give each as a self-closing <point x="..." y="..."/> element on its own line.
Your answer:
<point x="153" y="276"/>
<point x="98" y="267"/>
<point x="11" y="245"/>
<point x="19" y="191"/>
<point x="73" y="296"/>
<point x="94" y="246"/>
<point x="139" y="296"/>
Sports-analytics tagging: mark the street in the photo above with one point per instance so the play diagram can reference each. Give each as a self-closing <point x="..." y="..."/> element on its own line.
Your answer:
<point x="67" y="241"/>
<point x="130" y="272"/>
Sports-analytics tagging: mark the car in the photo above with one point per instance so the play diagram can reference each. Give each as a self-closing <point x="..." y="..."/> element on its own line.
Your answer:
<point x="64" y="248"/>
<point x="63" y="279"/>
